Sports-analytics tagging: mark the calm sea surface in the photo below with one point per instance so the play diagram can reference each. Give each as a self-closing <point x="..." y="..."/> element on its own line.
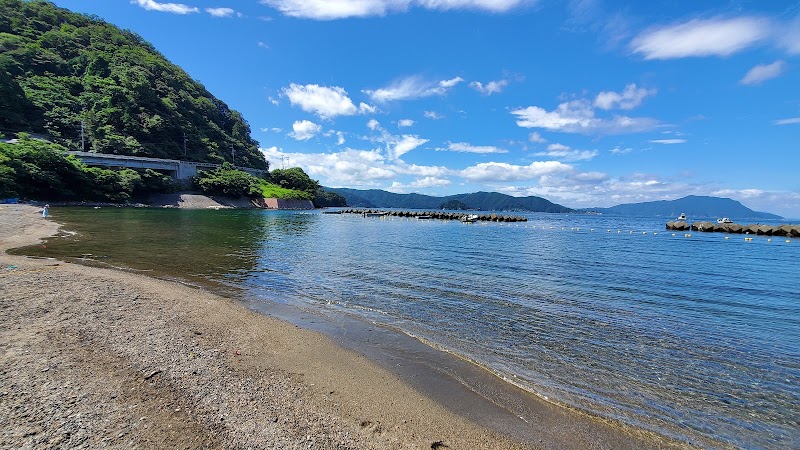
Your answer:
<point x="690" y="336"/>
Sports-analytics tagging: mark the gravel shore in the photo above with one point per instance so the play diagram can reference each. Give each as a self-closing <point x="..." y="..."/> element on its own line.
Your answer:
<point x="98" y="358"/>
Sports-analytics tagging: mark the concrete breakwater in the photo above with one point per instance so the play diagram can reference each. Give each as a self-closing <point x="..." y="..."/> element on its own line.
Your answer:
<point x="758" y="229"/>
<point x="442" y="215"/>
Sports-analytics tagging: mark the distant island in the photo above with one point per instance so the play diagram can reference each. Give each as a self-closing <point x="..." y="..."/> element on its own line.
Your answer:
<point x="483" y="201"/>
<point x="694" y="206"/>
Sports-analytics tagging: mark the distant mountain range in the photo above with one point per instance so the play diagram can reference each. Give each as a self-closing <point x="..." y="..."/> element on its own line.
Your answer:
<point x="483" y="201"/>
<point x="694" y="206"/>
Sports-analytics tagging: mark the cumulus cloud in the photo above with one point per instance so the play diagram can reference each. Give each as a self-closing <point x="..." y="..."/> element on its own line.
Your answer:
<point x="433" y="115"/>
<point x="221" y="12"/>
<point x="489" y="88"/>
<point x="763" y="72"/>
<point x="263" y="45"/>
<point x="503" y="172"/>
<point x="411" y="88"/>
<point x="326" y="102"/>
<point x="420" y="183"/>
<point x="578" y="116"/>
<point x="629" y="98"/>
<point x="175" y="8"/>
<point x="566" y="153"/>
<point x="464" y="147"/>
<point x="536" y="138"/>
<point x="711" y="37"/>
<point x="347" y="168"/>
<point x="668" y="141"/>
<point x="405" y="123"/>
<point x="373" y="124"/>
<point x="790" y="121"/>
<point x="303" y="130"/>
<point x="340" y="9"/>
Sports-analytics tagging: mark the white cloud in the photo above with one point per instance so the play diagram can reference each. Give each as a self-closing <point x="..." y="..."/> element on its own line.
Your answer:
<point x="221" y="12"/>
<point x="326" y="102"/>
<point x="502" y="172"/>
<point x="411" y="88"/>
<point x="263" y="45"/>
<point x="304" y="130"/>
<point x="563" y="152"/>
<point x="340" y="9"/>
<point x="348" y="168"/>
<point x="577" y="116"/>
<point x="763" y="72"/>
<point x="175" y="8"/>
<point x="668" y="141"/>
<point x="405" y="144"/>
<point x="433" y="115"/>
<point x="340" y="136"/>
<point x="364" y="108"/>
<point x="405" y="123"/>
<point x="464" y="147"/>
<point x="790" y="121"/>
<point x="620" y="150"/>
<point x="630" y="98"/>
<point x="789" y="37"/>
<point x="489" y="88"/>
<point x="712" y="37"/>
<point x="273" y="129"/>
<point x="373" y="124"/>
<point x="273" y="101"/>
<point x="420" y="183"/>
<point x="537" y="138"/>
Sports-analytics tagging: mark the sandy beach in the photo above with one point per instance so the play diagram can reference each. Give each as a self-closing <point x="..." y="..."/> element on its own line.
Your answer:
<point x="93" y="358"/>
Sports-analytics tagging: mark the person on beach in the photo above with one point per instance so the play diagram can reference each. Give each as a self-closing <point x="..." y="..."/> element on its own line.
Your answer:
<point x="46" y="211"/>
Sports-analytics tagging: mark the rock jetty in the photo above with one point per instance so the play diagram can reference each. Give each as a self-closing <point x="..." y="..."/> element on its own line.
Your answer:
<point x="442" y="215"/>
<point x="758" y="229"/>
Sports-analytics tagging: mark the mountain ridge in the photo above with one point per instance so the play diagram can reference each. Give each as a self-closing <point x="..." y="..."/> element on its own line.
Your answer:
<point x="694" y="206"/>
<point x="485" y="201"/>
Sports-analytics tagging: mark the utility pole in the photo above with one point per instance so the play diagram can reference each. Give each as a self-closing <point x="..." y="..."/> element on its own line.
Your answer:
<point x="233" y="155"/>
<point x="83" y="144"/>
<point x="184" y="143"/>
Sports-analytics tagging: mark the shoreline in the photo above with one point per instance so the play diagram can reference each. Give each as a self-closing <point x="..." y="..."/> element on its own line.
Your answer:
<point x="225" y="375"/>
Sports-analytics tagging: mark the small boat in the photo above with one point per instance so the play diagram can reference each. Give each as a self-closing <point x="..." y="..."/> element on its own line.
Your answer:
<point x="682" y="217"/>
<point x="469" y="218"/>
<point x="724" y="220"/>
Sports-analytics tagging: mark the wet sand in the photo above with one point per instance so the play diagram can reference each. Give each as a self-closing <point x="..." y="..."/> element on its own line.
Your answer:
<point x="93" y="357"/>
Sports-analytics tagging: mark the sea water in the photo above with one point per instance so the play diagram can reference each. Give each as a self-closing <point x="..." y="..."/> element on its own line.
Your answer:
<point x="693" y="335"/>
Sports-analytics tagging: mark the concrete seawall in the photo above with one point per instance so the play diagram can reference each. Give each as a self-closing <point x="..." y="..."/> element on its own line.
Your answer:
<point x="439" y="215"/>
<point x="758" y="229"/>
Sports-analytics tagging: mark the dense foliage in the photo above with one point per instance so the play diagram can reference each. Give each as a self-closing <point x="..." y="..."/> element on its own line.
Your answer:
<point x="291" y="183"/>
<point x="59" y="69"/>
<point x="454" y="205"/>
<point x="296" y="178"/>
<point x="38" y="170"/>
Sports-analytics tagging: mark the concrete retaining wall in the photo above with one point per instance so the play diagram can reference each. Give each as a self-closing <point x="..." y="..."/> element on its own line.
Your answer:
<point x="279" y="203"/>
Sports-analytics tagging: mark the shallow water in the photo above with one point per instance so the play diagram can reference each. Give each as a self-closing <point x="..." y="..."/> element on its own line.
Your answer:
<point x="689" y="336"/>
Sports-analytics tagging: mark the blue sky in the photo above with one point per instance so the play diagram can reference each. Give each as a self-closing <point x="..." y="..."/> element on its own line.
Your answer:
<point x="585" y="103"/>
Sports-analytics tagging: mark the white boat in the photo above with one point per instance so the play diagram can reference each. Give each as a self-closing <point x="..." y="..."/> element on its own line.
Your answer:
<point x="724" y="220"/>
<point x="469" y="218"/>
<point x="682" y="217"/>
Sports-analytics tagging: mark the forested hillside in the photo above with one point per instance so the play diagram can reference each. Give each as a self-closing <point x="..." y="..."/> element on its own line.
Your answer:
<point x="59" y="69"/>
<point x="484" y="201"/>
